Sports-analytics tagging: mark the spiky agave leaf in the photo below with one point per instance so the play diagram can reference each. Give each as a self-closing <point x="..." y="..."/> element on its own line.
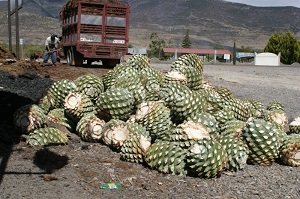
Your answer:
<point x="109" y="79"/>
<point x="166" y="157"/>
<point x="152" y="87"/>
<point x="208" y="121"/>
<point x="135" y="148"/>
<point x="274" y="105"/>
<point x="137" y="129"/>
<point x="151" y="80"/>
<point x="154" y="116"/>
<point x="134" y="85"/>
<point x="126" y="71"/>
<point x="194" y="130"/>
<point x="182" y="101"/>
<point x="206" y="159"/>
<point x="281" y="135"/>
<point x="237" y="107"/>
<point x="263" y="140"/>
<point x="118" y="103"/>
<point x="290" y="150"/>
<point x="255" y="108"/>
<point x="90" y="85"/>
<point x="139" y="61"/>
<point x="193" y="60"/>
<point x="224" y="92"/>
<point x="191" y="66"/>
<point x="28" y="118"/>
<point x="58" y="92"/>
<point x="89" y="128"/>
<point x="222" y="115"/>
<point x="213" y="98"/>
<point x="233" y="127"/>
<point x="44" y="104"/>
<point x="58" y="116"/>
<point x="278" y="117"/>
<point x="294" y="126"/>
<point x="186" y="134"/>
<point x="193" y="76"/>
<point x="46" y="136"/>
<point x="77" y="105"/>
<point x="237" y="152"/>
<point x="152" y="73"/>
<point x="175" y="76"/>
<point x="123" y="69"/>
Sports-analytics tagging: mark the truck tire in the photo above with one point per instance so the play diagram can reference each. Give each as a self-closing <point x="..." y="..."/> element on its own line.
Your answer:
<point x="74" y="58"/>
<point x="78" y="58"/>
<point x="70" y="57"/>
<point x="110" y="63"/>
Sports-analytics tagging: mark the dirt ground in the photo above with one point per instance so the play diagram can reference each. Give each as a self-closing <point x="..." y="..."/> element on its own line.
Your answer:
<point x="76" y="170"/>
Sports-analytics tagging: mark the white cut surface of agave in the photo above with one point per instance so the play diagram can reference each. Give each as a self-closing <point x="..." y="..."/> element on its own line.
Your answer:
<point x="195" y="131"/>
<point x="296" y="122"/>
<point x="72" y="100"/>
<point x="143" y="110"/>
<point x="297" y="156"/>
<point x="198" y="149"/>
<point x="176" y="75"/>
<point x="145" y="143"/>
<point x="96" y="128"/>
<point x="279" y="118"/>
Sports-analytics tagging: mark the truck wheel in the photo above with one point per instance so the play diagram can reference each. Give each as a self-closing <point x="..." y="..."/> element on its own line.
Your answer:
<point x="78" y="59"/>
<point x="69" y="57"/>
<point x="89" y="62"/>
<point x="74" y="59"/>
<point x="110" y="63"/>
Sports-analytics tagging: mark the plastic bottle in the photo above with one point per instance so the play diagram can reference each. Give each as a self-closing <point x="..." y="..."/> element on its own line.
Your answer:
<point x="113" y="185"/>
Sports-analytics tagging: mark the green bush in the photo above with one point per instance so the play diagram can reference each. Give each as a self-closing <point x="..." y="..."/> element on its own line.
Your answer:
<point x="287" y="44"/>
<point x="28" y="49"/>
<point x="33" y="49"/>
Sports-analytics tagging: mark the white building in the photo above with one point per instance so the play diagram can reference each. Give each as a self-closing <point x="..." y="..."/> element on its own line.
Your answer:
<point x="267" y="59"/>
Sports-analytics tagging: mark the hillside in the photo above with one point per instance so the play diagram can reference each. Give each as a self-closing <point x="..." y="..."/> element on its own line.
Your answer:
<point x="211" y="22"/>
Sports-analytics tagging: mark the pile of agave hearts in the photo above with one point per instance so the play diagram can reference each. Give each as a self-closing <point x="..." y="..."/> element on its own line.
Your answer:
<point x="173" y="122"/>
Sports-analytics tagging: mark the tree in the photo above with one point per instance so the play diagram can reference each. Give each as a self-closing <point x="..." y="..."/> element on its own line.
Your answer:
<point x="285" y="43"/>
<point x="186" y="43"/>
<point x="156" y="45"/>
<point x="246" y="49"/>
<point x="234" y="53"/>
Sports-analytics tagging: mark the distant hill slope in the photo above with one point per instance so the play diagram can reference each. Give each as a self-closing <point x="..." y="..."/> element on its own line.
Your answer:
<point x="212" y="23"/>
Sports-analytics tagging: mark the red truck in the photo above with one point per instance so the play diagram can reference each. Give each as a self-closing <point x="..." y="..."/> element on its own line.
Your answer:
<point x="94" y="30"/>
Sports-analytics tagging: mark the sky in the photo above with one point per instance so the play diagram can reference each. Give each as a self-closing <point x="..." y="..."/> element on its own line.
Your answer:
<point x="295" y="3"/>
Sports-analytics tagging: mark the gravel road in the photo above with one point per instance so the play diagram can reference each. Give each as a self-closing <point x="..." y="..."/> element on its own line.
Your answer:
<point x="263" y="83"/>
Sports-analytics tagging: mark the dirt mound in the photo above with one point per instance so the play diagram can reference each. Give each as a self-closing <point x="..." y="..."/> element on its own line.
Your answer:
<point x="5" y="54"/>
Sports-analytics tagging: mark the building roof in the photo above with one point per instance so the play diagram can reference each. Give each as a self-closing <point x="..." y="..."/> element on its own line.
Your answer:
<point x="134" y="51"/>
<point x="244" y="54"/>
<point x="196" y="51"/>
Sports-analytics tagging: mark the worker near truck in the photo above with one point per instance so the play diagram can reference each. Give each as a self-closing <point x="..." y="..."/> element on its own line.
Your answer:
<point x="52" y="44"/>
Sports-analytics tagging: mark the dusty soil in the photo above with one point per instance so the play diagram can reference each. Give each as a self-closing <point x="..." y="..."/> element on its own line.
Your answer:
<point x="76" y="170"/>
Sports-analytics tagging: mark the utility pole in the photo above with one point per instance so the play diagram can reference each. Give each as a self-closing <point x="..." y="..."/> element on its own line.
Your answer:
<point x="17" y="30"/>
<point x="14" y="9"/>
<point x="9" y="26"/>
<point x="234" y="53"/>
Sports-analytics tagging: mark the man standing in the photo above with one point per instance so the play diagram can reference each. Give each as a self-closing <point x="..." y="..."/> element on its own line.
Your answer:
<point x="52" y="43"/>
